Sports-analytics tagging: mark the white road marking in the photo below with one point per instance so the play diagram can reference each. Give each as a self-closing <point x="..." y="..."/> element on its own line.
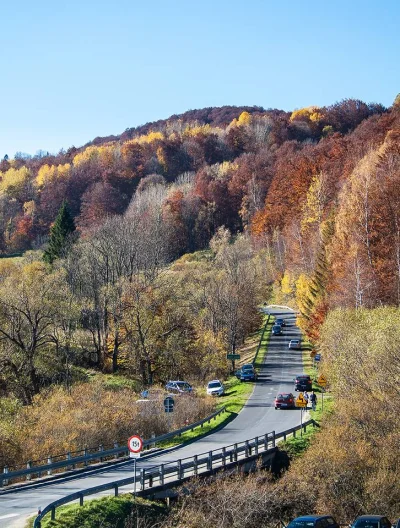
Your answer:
<point x="8" y="516"/>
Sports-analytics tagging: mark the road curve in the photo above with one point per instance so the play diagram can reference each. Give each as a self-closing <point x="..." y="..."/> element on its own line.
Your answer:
<point x="257" y="417"/>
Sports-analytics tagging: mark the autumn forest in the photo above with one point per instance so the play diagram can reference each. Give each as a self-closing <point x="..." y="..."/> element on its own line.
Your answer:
<point x="149" y="253"/>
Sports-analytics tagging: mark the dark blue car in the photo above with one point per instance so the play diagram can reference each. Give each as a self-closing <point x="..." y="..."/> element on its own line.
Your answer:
<point x="311" y="521"/>
<point x="371" y="521"/>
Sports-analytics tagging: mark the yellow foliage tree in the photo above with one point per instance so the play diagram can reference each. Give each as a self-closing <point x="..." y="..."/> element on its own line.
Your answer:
<point x="13" y="178"/>
<point x="311" y="113"/>
<point x="244" y="119"/>
<point x="150" y="138"/>
<point x="47" y="173"/>
<point x="287" y="283"/>
<point x="316" y="199"/>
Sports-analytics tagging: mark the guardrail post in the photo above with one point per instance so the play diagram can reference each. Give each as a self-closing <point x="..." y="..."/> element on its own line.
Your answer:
<point x="101" y="448"/>
<point x="53" y="514"/>
<point x="49" y="461"/>
<point x="247" y="449"/>
<point x="273" y="439"/>
<point x="256" y="445"/>
<point x="142" y="478"/>
<point x="81" y="499"/>
<point x="284" y="436"/>
<point x="179" y="469"/>
<point x="210" y="461"/>
<point x="162" y="475"/>
<point x="294" y="433"/>
<point x="235" y="454"/>
<point x="28" y="466"/>
<point x="116" y="490"/>
<point x="68" y="457"/>
<point x="266" y="442"/>
<point x="223" y="457"/>
<point x="85" y="455"/>
<point x="195" y="465"/>
<point x="116" y="446"/>
<point x="150" y="480"/>
<point x="153" y="444"/>
<point x="4" y="480"/>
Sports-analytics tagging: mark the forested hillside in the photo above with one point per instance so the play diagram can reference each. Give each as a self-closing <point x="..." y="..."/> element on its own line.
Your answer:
<point x="155" y="248"/>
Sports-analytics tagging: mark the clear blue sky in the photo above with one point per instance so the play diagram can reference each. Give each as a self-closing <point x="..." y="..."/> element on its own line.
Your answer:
<point x="71" y="71"/>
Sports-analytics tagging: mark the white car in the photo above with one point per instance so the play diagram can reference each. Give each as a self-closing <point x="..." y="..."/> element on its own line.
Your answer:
<point x="215" y="388"/>
<point x="295" y="344"/>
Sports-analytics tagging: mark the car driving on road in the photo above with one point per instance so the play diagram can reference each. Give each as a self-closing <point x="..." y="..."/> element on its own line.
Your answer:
<point x="295" y="344"/>
<point x="276" y="330"/>
<point x="303" y="382"/>
<point x="280" y="321"/>
<point x="215" y="388"/>
<point x="284" y="400"/>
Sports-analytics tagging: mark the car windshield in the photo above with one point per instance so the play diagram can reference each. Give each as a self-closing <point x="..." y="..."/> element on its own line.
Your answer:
<point x="366" y="523"/>
<point x="294" y="341"/>
<point x="249" y="366"/>
<point x="286" y="396"/>
<point x="214" y="385"/>
<point x="182" y="385"/>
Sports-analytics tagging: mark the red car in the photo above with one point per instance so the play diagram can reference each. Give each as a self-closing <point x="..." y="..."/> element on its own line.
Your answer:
<point x="285" y="400"/>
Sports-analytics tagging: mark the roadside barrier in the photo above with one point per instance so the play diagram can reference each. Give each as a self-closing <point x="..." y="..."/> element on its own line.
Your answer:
<point x="92" y="455"/>
<point x="149" y="481"/>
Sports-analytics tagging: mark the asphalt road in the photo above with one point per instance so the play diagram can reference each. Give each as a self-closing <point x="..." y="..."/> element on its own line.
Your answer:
<point x="257" y="417"/>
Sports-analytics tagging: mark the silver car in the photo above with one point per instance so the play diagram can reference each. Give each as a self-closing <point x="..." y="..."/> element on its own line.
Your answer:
<point x="215" y="388"/>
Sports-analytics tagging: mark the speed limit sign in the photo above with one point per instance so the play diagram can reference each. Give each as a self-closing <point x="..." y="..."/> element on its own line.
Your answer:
<point x="135" y="445"/>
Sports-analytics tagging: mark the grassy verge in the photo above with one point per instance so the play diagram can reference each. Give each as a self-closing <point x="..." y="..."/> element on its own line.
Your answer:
<point x="108" y="512"/>
<point x="236" y="392"/>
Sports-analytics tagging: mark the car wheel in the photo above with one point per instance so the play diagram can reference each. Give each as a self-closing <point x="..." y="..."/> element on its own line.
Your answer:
<point x="276" y="408"/>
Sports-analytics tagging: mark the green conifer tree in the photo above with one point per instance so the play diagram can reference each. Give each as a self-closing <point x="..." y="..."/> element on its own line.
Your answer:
<point x="63" y="226"/>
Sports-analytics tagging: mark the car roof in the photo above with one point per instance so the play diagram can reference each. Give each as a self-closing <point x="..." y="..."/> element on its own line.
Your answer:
<point x="178" y="381"/>
<point x="312" y="517"/>
<point x="294" y="340"/>
<point x="372" y="517"/>
<point x="214" y="381"/>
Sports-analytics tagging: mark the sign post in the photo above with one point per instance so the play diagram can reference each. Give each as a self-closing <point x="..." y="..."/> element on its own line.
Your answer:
<point x="169" y="403"/>
<point x="301" y="402"/>
<point x="135" y="445"/>
<point x="233" y="358"/>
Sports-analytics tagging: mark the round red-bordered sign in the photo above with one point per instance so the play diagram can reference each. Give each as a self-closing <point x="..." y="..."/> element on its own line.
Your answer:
<point x="135" y="444"/>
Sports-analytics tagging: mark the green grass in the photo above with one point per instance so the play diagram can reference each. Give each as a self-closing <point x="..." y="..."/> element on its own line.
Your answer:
<point x="108" y="512"/>
<point x="236" y="392"/>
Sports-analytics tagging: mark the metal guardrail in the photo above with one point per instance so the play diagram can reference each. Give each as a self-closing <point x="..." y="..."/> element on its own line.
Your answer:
<point x="170" y="474"/>
<point x="116" y="452"/>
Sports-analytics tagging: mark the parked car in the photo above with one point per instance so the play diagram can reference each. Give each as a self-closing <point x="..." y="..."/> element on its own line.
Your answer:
<point x="284" y="400"/>
<point x="295" y="344"/>
<point x="179" y="387"/>
<point x="276" y="330"/>
<point x="280" y="321"/>
<point x="371" y="521"/>
<point x="396" y="524"/>
<point x="311" y="521"/>
<point x="215" y="388"/>
<point x="248" y="373"/>
<point x="303" y="382"/>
